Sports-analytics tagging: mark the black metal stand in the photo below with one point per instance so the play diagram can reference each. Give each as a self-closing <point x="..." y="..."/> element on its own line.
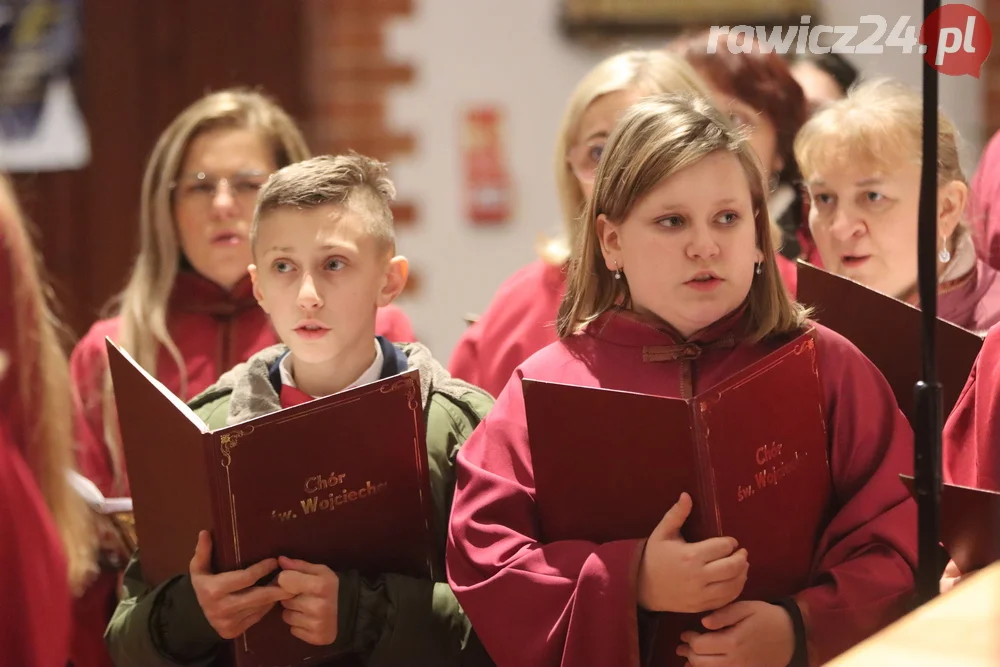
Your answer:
<point x="928" y="417"/>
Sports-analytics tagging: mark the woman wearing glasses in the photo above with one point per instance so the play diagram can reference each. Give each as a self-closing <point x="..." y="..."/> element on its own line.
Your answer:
<point x="187" y="312"/>
<point x="521" y="318"/>
<point x="759" y="93"/>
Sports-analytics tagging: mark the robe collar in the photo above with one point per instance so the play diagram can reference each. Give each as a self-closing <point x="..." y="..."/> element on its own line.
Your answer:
<point x="660" y="341"/>
<point x="194" y="293"/>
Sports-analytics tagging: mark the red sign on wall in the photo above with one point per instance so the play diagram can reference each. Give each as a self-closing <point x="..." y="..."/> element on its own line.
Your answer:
<point x="487" y="179"/>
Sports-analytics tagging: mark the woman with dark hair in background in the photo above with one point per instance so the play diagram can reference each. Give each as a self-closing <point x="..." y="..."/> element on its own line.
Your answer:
<point x="758" y="93"/>
<point x="824" y="77"/>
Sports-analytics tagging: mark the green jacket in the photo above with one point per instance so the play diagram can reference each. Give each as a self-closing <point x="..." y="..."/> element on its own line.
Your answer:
<point x="387" y="620"/>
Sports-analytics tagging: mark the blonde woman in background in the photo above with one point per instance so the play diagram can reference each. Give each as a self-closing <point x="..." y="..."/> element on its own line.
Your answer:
<point x="521" y="318"/>
<point x="860" y="158"/>
<point x="187" y="312"/>
<point x="46" y="537"/>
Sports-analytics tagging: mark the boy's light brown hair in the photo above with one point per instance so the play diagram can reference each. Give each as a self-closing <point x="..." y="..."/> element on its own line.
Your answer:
<point x="353" y="180"/>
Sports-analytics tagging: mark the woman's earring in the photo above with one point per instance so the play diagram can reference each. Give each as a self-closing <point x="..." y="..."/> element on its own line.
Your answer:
<point x="618" y="272"/>
<point x="759" y="268"/>
<point x="945" y="254"/>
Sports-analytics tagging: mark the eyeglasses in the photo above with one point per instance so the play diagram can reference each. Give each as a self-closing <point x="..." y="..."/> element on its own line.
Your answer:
<point x="202" y="188"/>
<point x="583" y="159"/>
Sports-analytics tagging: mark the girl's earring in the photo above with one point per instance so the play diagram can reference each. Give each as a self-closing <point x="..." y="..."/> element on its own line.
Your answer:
<point x="618" y="272"/>
<point x="759" y="268"/>
<point x="945" y="254"/>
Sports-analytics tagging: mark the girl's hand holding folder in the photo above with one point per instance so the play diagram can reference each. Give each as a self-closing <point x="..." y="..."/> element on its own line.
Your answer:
<point x="678" y="576"/>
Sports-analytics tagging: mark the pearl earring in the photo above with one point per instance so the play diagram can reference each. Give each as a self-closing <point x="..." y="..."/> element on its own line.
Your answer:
<point x="618" y="272"/>
<point x="945" y="254"/>
<point x="759" y="268"/>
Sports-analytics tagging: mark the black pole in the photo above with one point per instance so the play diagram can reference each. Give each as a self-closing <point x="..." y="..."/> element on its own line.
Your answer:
<point x="928" y="417"/>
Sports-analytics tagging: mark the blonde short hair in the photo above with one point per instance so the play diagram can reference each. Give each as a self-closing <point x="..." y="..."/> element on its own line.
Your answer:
<point x="656" y="138"/>
<point x="648" y="72"/>
<point x="878" y="124"/>
<point x="340" y="180"/>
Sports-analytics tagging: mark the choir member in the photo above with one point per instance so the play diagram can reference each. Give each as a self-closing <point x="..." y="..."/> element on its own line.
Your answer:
<point x="982" y="215"/>
<point x="970" y="453"/>
<point x="325" y="260"/>
<point x="758" y="93"/>
<point x="521" y="318"/>
<point x="187" y="312"/>
<point x="47" y="541"/>
<point x="675" y="257"/>
<point x="824" y="77"/>
<point x="861" y="160"/>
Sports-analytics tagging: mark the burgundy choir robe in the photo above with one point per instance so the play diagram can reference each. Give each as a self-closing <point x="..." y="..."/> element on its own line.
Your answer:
<point x="574" y="603"/>
<point x="214" y="330"/>
<point x="971" y="441"/>
<point x="972" y="302"/>
<point x="982" y="211"/>
<point x="35" y="599"/>
<point x="519" y="321"/>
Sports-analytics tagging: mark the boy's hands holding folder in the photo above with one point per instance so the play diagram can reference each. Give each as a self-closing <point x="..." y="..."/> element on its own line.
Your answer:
<point x="678" y="576"/>
<point x="230" y="600"/>
<point x="311" y="608"/>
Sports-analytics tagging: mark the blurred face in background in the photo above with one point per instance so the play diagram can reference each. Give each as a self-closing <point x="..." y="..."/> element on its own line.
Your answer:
<point x="214" y="197"/>
<point x="819" y="87"/>
<point x="763" y="136"/>
<point x="595" y="126"/>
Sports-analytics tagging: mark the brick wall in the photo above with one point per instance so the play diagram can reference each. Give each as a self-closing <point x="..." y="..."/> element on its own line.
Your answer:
<point x="348" y="80"/>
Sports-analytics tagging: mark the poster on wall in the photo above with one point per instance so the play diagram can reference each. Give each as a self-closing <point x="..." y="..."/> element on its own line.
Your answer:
<point x="488" y="190"/>
<point x="41" y="126"/>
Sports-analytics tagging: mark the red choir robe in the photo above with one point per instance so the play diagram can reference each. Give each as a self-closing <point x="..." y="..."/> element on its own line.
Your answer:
<point x="35" y="599"/>
<point x="574" y="603"/>
<point x="971" y="440"/>
<point x="214" y="330"/>
<point x="393" y="324"/>
<point x="972" y="302"/>
<point x="519" y="321"/>
<point x="982" y="211"/>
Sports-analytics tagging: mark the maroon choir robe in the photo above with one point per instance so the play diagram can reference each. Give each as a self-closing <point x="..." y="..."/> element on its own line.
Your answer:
<point x="982" y="211"/>
<point x="972" y="302"/>
<point x="214" y="330"/>
<point x="574" y="603"/>
<point x="519" y="321"/>
<point x="971" y="441"/>
<point x="35" y="599"/>
<point x="392" y="324"/>
<point x="35" y="595"/>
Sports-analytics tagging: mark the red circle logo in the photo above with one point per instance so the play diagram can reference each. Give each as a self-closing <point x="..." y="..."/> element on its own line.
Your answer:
<point x="956" y="40"/>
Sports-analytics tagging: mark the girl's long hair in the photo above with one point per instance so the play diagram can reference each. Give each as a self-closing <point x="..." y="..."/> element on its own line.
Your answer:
<point x="40" y="409"/>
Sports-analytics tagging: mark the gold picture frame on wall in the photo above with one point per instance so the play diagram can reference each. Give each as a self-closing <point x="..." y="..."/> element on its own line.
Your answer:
<point x="665" y="16"/>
